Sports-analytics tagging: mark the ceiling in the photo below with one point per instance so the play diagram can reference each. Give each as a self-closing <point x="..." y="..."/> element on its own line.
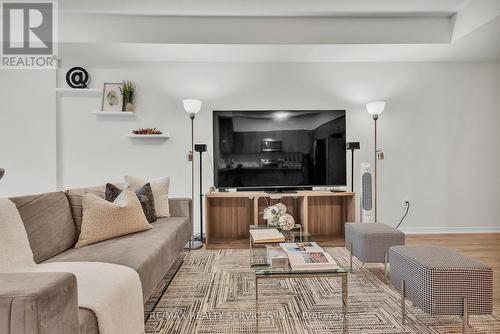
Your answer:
<point x="265" y="7"/>
<point x="279" y="30"/>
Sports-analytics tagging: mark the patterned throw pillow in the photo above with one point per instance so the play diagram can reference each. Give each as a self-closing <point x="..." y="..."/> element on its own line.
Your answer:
<point x="103" y="220"/>
<point x="160" y="188"/>
<point x="144" y="194"/>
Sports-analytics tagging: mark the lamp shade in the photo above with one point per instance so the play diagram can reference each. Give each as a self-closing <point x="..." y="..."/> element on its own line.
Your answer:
<point x="375" y="108"/>
<point x="192" y="106"/>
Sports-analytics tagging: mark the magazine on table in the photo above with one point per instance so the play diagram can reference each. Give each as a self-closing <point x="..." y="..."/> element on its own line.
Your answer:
<point x="308" y="256"/>
<point x="311" y="261"/>
<point x="296" y="247"/>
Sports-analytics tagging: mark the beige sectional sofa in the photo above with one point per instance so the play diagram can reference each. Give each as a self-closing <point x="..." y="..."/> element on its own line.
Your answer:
<point x="43" y="303"/>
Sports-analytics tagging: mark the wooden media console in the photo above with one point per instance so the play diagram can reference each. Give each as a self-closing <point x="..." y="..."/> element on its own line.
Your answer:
<point x="323" y="214"/>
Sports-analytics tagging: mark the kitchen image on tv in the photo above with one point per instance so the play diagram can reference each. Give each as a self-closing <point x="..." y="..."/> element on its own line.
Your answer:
<point x="279" y="149"/>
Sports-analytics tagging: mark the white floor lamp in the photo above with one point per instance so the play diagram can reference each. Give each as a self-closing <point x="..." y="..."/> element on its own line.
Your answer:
<point x="375" y="109"/>
<point x="192" y="107"/>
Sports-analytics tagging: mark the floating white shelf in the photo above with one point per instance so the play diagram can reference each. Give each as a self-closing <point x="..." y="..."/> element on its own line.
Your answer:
<point x="79" y="91"/>
<point x="162" y="136"/>
<point x="113" y="113"/>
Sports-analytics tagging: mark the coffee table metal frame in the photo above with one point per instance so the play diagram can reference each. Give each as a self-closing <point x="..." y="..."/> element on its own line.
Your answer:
<point x="265" y="271"/>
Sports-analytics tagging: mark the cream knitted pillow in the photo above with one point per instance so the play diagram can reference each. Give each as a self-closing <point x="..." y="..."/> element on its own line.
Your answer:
<point x="159" y="187"/>
<point x="103" y="220"/>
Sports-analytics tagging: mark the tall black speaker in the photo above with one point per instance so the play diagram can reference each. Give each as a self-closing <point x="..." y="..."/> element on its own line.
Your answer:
<point x="352" y="146"/>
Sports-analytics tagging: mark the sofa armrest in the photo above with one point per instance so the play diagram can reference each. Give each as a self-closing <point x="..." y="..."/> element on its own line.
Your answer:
<point x="38" y="303"/>
<point x="180" y="207"/>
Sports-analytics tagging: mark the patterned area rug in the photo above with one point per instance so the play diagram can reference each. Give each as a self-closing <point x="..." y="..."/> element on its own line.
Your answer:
<point x="164" y="284"/>
<point x="214" y="292"/>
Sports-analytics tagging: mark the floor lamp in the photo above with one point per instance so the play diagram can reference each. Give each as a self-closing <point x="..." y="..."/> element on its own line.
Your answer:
<point x="201" y="148"/>
<point x="192" y="107"/>
<point x="375" y="109"/>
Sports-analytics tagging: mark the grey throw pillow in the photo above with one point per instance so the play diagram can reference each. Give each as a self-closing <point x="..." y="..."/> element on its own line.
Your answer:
<point x="144" y="194"/>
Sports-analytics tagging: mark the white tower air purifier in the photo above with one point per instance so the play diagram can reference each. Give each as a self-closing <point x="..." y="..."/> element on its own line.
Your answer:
<point x="366" y="198"/>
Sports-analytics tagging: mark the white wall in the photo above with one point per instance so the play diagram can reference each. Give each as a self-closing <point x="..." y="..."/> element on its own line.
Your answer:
<point x="439" y="130"/>
<point x="27" y="131"/>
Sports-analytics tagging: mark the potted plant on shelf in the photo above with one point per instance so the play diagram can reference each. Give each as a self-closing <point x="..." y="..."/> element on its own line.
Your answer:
<point x="128" y="93"/>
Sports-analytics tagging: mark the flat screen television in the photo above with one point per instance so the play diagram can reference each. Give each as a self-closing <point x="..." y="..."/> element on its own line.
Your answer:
<point x="279" y="150"/>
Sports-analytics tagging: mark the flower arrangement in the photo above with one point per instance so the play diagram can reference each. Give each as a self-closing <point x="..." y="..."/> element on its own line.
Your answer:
<point x="276" y="216"/>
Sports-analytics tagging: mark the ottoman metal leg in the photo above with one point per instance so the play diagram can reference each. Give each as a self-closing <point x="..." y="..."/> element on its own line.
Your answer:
<point x="385" y="267"/>
<point x="465" y="317"/>
<point x="403" y="305"/>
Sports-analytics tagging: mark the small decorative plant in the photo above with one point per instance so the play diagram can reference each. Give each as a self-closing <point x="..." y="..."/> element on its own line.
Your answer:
<point x="128" y="93"/>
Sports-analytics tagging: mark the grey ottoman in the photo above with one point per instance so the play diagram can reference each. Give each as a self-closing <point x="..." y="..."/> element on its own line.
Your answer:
<point x="370" y="242"/>
<point x="441" y="281"/>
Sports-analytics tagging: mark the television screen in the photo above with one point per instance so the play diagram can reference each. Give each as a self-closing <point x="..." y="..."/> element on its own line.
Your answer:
<point x="279" y="149"/>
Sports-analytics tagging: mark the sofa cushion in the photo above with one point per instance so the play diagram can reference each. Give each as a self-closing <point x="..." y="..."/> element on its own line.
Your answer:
<point x="75" y="197"/>
<point x="150" y="253"/>
<point x="38" y="303"/>
<point x="48" y="222"/>
<point x="88" y="321"/>
<point x="103" y="220"/>
<point x="144" y="194"/>
<point x="160" y="187"/>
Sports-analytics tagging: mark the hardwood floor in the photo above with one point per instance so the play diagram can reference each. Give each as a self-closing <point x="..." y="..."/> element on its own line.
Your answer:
<point x="483" y="247"/>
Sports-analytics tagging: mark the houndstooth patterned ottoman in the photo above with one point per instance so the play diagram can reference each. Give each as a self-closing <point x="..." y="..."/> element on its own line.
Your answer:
<point x="441" y="281"/>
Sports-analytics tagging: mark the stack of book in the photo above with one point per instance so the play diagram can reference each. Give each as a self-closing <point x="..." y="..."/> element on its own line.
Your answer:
<point x="266" y="236"/>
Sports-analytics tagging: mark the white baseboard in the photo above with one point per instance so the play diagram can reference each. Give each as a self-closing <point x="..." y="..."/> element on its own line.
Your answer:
<point x="451" y="230"/>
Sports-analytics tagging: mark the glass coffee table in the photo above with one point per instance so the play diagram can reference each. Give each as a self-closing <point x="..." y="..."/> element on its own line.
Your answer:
<point x="264" y="270"/>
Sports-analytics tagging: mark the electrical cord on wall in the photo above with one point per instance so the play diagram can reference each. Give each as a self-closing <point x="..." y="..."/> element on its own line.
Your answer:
<point x="406" y="213"/>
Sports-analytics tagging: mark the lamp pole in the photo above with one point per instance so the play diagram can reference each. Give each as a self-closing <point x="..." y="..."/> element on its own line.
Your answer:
<point x="375" y="109"/>
<point x="192" y="106"/>
<point x="195" y="244"/>
<point x="202" y="239"/>
<point x="191" y="155"/>
<point x="375" y="118"/>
